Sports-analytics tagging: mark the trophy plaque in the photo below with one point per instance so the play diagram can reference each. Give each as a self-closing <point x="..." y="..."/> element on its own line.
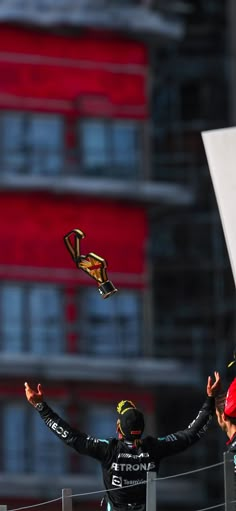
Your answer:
<point x="92" y="264"/>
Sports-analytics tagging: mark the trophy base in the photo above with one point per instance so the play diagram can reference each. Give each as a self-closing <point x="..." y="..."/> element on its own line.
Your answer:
<point x="106" y="289"/>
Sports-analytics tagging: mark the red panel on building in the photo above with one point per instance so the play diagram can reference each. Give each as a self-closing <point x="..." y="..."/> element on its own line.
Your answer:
<point x="32" y="227"/>
<point x="46" y="66"/>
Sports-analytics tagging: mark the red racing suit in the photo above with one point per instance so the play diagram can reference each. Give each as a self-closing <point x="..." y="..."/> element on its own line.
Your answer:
<point x="124" y="465"/>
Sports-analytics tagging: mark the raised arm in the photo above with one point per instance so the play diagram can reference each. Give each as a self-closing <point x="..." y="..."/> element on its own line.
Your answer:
<point x="181" y="440"/>
<point x="81" y="442"/>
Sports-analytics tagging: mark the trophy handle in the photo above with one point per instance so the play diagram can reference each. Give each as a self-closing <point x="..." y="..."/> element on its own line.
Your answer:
<point x="74" y="249"/>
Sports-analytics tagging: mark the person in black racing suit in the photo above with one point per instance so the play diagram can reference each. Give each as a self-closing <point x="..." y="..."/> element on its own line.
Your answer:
<point x="126" y="460"/>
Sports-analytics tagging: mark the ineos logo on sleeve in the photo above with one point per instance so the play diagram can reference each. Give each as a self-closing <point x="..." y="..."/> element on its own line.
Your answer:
<point x="63" y="433"/>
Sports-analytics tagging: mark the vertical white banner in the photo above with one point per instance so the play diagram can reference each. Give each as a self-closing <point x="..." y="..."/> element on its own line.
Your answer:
<point x="220" y="147"/>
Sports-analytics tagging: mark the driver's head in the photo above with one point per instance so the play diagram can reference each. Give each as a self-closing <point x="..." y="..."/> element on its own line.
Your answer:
<point x="226" y="407"/>
<point x="230" y="401"/>
<point x="130" y="423"/>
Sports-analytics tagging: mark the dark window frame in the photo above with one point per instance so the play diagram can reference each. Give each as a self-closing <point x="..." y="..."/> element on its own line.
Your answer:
<point x="28" y="151"/>
<point x="108" y="125"/>
<point x="26" y="289"/>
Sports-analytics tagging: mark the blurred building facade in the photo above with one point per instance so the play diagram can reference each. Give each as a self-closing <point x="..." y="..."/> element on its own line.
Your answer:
<point x="102" y="104"/>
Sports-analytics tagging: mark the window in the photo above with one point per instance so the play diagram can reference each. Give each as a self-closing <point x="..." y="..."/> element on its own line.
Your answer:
<point x="126" y="3"/>
<point x="27" y="444"/>
<point x="99" y="422"/>
<point x="34" y="144"/>
<point x="31" y="319"/>
<point x="110" y="327"/>
<point x="110" y="149"/>
<point x="14" y="438"/>
<point x="48" y="453"/>
<point x="45" y="329"/>
<point x="12" y="318"/>
<point x="169" y="240"/>
<point x="202" y="98"/>
<point x="31" y="144"/>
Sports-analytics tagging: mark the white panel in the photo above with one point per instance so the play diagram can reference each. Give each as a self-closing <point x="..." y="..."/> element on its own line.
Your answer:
<point x="220" y="147"/>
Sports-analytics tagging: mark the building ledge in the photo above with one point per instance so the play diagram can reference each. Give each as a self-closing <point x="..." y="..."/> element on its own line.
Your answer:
<point x="148" y="371"/>
<point x="92" y="13"/>
<point x="142" y="191"/>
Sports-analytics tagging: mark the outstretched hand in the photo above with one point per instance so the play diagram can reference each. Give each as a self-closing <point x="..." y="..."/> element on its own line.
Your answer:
<point x="34" y="397"/>
<point x="213" y="388"/>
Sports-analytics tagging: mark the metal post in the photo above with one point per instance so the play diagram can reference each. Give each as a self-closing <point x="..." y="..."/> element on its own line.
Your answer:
<point x="151" y="492"/>
<point x="229" y="481"/>
<point x="66" y="499"/>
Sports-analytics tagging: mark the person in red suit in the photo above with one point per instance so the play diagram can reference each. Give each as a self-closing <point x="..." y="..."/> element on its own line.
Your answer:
<point x="226" y="415"/>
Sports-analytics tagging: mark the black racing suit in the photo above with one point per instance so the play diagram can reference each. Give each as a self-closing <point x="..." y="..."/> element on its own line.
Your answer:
<point x="231" y="447"/>
<point x="124" y="465"/>
<point x="231" y="444"/>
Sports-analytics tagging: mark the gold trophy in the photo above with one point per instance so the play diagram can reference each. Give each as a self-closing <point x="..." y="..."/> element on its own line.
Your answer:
<point x="91" y="263"/>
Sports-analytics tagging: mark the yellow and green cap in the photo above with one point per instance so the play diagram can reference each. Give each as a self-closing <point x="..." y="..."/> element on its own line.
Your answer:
<point x="131" y="420"/>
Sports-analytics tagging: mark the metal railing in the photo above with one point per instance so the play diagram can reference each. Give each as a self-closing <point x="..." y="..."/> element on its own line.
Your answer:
<point x="229" y="504"/>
